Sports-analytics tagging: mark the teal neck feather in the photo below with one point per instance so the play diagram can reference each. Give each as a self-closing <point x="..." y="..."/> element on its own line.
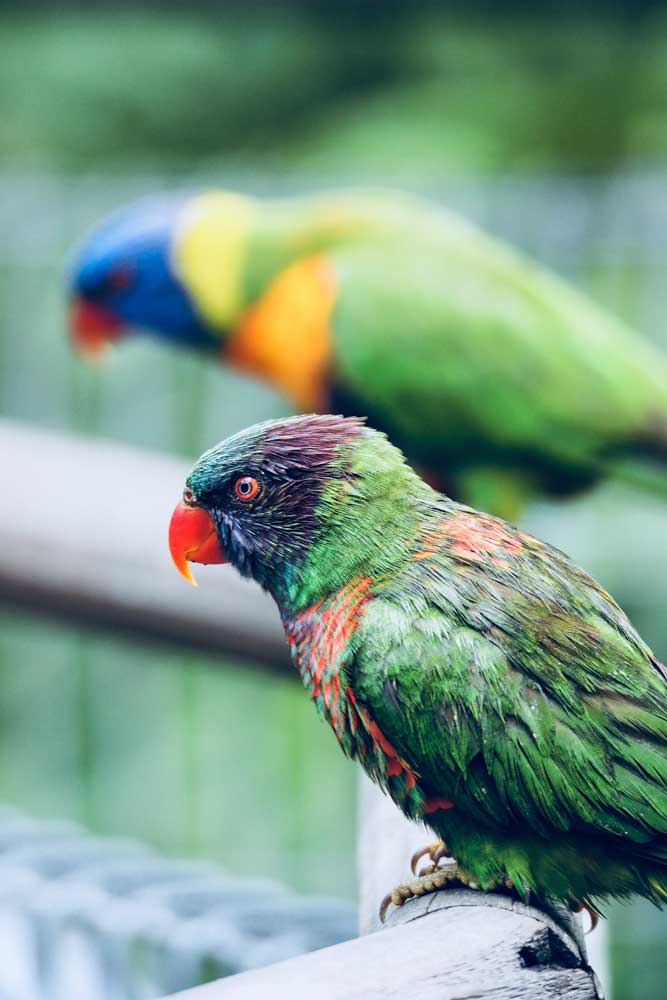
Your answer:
<point x="368" y="521"/>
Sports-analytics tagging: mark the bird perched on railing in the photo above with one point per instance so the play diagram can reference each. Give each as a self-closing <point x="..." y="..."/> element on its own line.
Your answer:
<point x="497" y="379"/>
<point x="491" y="686"/>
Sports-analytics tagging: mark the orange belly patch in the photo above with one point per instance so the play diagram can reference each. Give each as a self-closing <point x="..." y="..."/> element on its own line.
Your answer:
<point x="285" y="336"/>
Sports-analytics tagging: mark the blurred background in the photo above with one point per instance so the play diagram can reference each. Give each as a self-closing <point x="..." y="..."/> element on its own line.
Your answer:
<point x="547" y="126"/>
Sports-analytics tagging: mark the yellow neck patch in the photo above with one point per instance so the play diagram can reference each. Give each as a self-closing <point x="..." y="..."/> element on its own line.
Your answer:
<point x="285" y="336"/>
<point x="215" y="228"/>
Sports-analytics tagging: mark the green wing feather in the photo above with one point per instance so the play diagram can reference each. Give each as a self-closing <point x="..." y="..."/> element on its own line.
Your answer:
<point x="515" y="687"/>
<point x="466" y="353"/>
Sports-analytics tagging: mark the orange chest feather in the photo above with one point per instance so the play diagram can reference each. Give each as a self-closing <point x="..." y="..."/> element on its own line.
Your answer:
<point x="285" y="337"/>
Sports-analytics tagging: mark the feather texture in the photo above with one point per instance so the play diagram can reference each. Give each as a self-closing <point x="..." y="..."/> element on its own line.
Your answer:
<point x="486" y="682"/>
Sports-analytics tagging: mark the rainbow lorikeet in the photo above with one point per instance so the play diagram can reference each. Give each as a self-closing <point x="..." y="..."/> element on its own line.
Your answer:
<point x="489" y="685"/>
<point x="496" y="378"/>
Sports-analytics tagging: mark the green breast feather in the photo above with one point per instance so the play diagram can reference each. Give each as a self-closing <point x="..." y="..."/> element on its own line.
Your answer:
<point x="513" y="686"/>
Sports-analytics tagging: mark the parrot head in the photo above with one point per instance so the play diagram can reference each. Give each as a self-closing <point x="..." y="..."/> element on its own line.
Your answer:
<point x="299" y="504"/>
<point x="123" y="279"/>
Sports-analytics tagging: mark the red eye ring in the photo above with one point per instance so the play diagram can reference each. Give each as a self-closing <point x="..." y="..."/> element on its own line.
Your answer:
<point x="188" y="496"/>
<point x="246" y="488"/>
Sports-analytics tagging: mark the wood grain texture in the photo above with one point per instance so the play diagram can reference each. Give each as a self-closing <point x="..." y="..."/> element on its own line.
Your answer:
<point x="453" y="950"/>
<point x="453" y="945"/>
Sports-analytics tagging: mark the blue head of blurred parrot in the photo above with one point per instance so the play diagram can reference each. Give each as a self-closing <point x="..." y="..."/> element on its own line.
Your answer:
<point x="498" y="379"/>
<point x="124" y="279"/>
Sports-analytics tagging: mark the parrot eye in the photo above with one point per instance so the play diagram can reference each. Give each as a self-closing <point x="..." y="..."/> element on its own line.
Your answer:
<point x="119" y="279"/>
<point x="188" y="496"/>
<point x="246" y="488"/>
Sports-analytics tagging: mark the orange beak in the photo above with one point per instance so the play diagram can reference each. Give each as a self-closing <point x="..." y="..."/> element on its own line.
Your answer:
<point x="92" y="327"/>
<point x="193" y="538"/>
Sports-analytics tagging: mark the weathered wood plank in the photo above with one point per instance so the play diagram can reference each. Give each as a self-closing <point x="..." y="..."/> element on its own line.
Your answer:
<point x="83" y="526"/>
<point x="444" y="947"/>
<point x="451" y="945"/>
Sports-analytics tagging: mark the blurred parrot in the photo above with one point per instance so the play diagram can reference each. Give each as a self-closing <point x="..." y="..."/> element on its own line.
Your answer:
<point x="481" y="678"/>
<point x="497" y="379"/>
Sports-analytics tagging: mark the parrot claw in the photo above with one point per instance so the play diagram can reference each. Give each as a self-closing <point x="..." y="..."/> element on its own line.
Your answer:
<point x="579" y="905"/>
<point x="434" y="878"/>
<point x="430" y="881"/>
<point x="436" y="852"/>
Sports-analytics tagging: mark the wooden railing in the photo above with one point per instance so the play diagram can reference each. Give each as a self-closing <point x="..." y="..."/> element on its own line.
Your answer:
<point x="83" y="537"/>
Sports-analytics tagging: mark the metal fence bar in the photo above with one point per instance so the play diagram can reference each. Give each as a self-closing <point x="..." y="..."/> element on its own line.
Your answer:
<point x="110" y="918"/>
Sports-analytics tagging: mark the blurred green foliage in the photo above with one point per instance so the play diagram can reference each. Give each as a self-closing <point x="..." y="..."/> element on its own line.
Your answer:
<point x="405" y="92"/>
